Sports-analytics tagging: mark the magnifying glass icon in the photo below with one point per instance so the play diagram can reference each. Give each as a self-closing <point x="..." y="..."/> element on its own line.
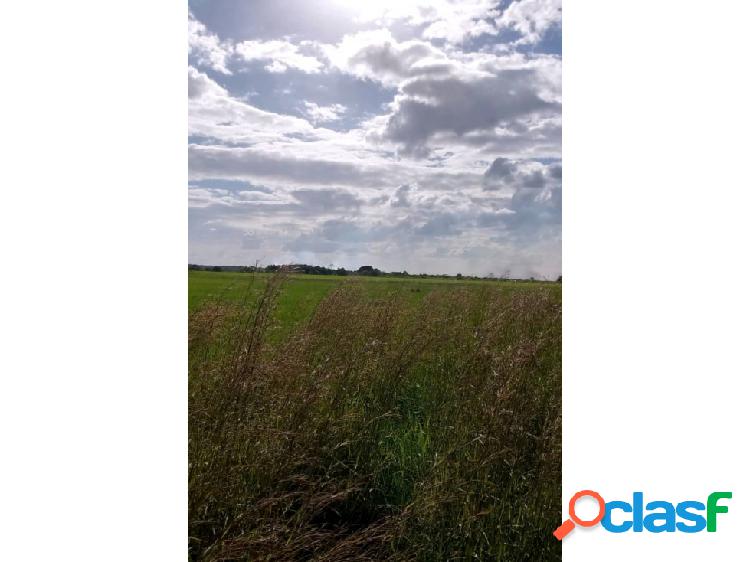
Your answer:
<point x="574" y="520"/>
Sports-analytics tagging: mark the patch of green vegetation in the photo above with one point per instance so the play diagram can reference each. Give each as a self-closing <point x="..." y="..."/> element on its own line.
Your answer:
<point x="373" y="418"/>
<point x="303" y="292"/>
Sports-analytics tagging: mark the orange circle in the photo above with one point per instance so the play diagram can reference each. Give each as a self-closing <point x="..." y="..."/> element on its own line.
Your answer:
<point x="572" y="508"/>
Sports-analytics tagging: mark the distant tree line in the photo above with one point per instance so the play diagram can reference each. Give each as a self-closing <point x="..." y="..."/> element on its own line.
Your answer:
<point x="365" y="270"/>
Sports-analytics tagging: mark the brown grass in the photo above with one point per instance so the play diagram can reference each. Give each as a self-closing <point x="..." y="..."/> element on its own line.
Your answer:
<point x="382" y="429"/>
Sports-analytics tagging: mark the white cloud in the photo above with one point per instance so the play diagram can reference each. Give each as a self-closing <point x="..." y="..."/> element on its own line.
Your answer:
<point x="281" y="56"/>
<point x="458" y="21"/>
<point x="200" y="85"/>
<point x="531" y="18"/>
<point x="324" y="113"/>
<point x="214" y="113"/>
<point x="206" y="47"/>
<point x="445" y="96"/>
<point x="282" y="168"/>
<point x="376" y="55"/>
<point x="451" y="20"/>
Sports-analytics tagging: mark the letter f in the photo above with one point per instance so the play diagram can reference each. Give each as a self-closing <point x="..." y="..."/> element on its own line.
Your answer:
<point x="713" y="509"/>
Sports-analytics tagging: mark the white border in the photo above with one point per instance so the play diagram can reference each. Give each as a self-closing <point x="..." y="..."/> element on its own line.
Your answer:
<point x="93" y="225"/>
<point x="655" y="236"/>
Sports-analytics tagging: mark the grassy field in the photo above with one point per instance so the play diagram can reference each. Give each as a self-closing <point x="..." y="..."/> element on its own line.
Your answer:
<point x="339" y="418"/>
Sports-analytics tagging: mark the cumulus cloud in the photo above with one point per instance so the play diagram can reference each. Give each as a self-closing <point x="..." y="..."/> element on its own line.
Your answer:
<point x="199" y="85"/>
<point x="323" y="113"/>
<point x="501" y="170"/>
<point x="427" y="107"/>
<point x="444" y="96"/>
<point x="206" y="47"/>
<point x="376" y="55"/>
<point x="215" y="114"/>
<point x="515" y="174"/>
<point x="457" y="29"/>
<point x="531" y="18"/>
<point x="450" y="20"/>
<point x="280" y="56"/>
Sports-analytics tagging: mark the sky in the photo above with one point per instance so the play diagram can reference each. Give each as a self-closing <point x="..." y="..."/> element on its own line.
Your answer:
<point x="417" y="135"/>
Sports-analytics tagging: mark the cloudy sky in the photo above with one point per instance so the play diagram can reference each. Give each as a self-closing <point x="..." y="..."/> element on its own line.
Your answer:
<point x="404" y="134"/>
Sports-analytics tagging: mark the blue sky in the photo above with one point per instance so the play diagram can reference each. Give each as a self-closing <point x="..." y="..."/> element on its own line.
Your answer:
<point x="404" y="134"/>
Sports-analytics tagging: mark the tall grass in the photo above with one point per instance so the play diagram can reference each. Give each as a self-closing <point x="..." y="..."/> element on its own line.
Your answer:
<point x="381" y="429"/>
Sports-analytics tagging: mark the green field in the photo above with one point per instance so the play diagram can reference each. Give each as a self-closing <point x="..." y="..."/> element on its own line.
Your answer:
<point x="373" y="418"/>
<point x="303" y="292"/>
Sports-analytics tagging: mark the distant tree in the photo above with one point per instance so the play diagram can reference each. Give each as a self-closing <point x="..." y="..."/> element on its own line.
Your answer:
<point x="459" y="276"/>
<point x="368" y="270"/>
<point x="559" y="279"/>
<point x="216" y="268"/>
<point x="341" y="271"/>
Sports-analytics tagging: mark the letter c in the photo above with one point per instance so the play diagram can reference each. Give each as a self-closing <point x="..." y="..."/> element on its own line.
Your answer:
<point x="607" y="520"/>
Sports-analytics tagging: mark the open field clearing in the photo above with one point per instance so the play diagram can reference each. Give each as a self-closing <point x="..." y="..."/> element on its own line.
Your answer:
<point x="339" y="418"/>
